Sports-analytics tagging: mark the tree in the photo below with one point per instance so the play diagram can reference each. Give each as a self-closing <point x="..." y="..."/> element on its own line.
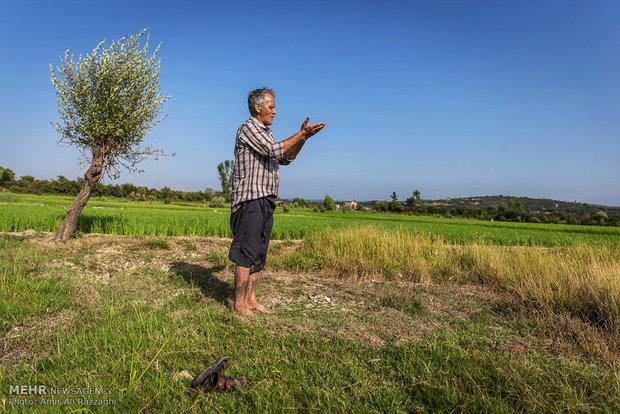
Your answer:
<point x="108" y="101"/>
<point x="225" y="170"/>
<point x="414" y="199"/>
<point x="127" y="188"/>
<point x="209" y="194"/>
<point x="328" y="203"/>
<point x="600" y="217"/>
<point x="300" y="202"/>
<point x="396" y="206"/>
<point x="165" y="194"/>
<point x="380" y="206"/>
<point x="512" y="211"/>
<point x="514" y="204"/>
<point x="62" y="185"/>
<point x="6" y="175"/>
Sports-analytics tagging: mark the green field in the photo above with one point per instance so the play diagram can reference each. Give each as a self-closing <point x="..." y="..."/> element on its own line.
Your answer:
<point x="139" y="316"/>
<point x="113" y="216"/>
<point x="374" y="312"/>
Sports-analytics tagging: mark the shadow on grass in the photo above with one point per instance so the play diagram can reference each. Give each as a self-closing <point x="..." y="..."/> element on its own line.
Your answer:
<point x="204" y="277"/>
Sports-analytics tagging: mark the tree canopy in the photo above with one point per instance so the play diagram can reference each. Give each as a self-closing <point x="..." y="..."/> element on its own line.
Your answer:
<point x="109" y="100"/>
<point x="328" y="203"/>
<point x="6" y="175"/>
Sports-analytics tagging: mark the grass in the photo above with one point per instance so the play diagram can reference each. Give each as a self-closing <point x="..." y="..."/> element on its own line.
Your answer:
<point x="24" y="292"/>
<point x="45" y="213"/>
<point x="582" y="280"/>
<point x="299" y="373"/>
<point x="138" y="317"/>
<point x="410" y="305"/>
<point x="375" y="312"/>
<point x="157" y="244"/>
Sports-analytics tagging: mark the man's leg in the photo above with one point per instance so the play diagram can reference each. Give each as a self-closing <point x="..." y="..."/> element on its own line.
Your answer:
<point x="242" y="278"/>
<point x="252" y="302"/>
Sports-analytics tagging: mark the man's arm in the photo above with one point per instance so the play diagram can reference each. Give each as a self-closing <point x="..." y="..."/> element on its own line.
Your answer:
<point x="293" y="145"/>
<point x="284" y="151"/>
<point x="260" y="142"/>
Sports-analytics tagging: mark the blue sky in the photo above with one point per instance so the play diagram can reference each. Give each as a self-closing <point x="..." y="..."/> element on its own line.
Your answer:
<point x="454" y="98"/>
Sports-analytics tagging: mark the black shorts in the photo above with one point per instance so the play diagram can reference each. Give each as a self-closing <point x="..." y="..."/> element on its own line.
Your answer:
<point x="251" y="227"/>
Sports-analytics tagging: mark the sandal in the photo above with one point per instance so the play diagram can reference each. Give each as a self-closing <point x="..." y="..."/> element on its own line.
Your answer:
<point x="206" y="377"/>
<point x="222" y="383"/>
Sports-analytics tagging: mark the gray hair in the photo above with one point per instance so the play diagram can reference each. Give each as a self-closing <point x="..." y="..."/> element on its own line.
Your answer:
<point x="257" y="97"/>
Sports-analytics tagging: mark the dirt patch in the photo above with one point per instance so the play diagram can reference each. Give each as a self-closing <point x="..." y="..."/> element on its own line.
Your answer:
<point x="284" y="247"/>
<point x="27" y="340"/>
<point x="457" y="300"/>
<point x="352" y="309"/>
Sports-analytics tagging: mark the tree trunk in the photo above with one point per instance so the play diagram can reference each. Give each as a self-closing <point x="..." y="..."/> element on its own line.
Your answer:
<point x="91" y="178"/>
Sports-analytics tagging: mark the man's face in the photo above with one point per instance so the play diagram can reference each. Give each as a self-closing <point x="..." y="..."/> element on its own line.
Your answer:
<point x="266" y="111"/>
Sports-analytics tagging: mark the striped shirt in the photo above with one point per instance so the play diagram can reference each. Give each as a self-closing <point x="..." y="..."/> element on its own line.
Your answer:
<point x="257" y="159"/>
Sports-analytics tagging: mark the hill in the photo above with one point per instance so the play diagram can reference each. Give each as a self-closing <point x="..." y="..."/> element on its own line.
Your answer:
<point x="508" y="208"/>
<point x="528" y="204"/>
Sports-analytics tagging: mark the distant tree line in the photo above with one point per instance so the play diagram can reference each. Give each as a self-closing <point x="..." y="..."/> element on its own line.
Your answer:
<point x="498" y="208"/>
<point x="64" y="186"/>
<point x="502" y="208"/>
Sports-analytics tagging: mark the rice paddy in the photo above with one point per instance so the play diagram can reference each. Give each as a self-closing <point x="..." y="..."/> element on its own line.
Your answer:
<point x="113" y="216"/>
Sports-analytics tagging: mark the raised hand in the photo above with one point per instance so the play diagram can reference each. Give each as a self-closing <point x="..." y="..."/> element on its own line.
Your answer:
<point x="308" y="130"/>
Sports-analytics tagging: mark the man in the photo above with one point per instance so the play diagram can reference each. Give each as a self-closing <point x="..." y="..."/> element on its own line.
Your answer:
<point x="255" y="186"/>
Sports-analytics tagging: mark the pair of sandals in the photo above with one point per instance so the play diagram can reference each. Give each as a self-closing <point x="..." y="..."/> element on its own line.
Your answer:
<point x="212" y="379"/>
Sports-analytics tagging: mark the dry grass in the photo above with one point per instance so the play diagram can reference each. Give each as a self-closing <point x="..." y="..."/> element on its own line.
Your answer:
<point x="582" y="280"/>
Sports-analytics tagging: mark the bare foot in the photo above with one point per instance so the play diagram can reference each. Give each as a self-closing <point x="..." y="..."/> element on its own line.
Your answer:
<point x="243" y="311"/>
<point x="260" y="307"/>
